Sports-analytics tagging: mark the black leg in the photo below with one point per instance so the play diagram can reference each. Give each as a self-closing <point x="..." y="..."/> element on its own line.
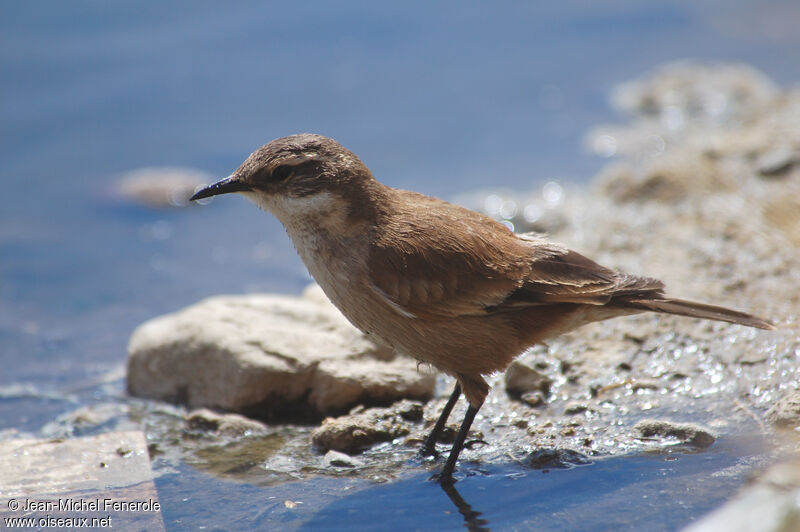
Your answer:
<point x="446" y="476"/>
<point x="429" y="447"/>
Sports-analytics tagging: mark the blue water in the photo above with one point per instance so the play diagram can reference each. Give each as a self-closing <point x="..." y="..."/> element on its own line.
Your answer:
<point x="652" y="492"/>
<point x="441" y="98"/>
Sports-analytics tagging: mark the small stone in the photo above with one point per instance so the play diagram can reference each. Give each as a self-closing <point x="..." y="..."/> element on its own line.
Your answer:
<point x="339" y="460"/>
<point x="643" y="384"/>
<point x="533" y="398"/>
<point x="409" y="410"/>
<point x="521" y="379"/>
<point x="688" y="433"/>
<point x="575" y="408"/>
<point x="776" y="161"/>
<point x="556" y="459"/>
<point x="751" y="357"/>
<point x="354" y="433"/>
<point x="786" y="412"/>
<point x="225" y="424"/>
<point x="358" y="409"/>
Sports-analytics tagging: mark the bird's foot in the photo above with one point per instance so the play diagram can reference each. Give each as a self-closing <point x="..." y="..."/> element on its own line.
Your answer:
<point x="428" y="451"/>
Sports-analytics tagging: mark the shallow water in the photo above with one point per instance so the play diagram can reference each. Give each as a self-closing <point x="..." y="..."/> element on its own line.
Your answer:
<point x="442" y="100"/>
<point x="660" y="491"/>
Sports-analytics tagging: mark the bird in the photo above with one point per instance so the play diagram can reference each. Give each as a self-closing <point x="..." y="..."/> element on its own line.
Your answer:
<point x="450" y="287"/>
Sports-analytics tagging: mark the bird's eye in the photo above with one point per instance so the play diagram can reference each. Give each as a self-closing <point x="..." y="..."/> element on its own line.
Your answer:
<point x="281" y="172"/>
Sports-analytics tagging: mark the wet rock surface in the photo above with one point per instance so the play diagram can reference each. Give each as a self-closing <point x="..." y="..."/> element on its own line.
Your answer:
<point x="363" y="428"/>
<point x="786" y="411"/>
<point x="267" y="357"/>
<point x="234" y="425"/>
<point x="688" y="433"/>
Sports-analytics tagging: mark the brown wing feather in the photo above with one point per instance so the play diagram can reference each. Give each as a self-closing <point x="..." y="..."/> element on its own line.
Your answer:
<point x="480" y="267"/>
<point x="570" y="277"/>
<point x="422" y="271"/>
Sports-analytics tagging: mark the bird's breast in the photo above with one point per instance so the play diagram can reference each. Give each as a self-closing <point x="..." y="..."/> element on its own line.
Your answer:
<point x="339" y="265"/>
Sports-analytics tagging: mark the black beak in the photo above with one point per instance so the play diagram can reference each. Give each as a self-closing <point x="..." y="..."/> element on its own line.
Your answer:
<point x="223" y="186"/>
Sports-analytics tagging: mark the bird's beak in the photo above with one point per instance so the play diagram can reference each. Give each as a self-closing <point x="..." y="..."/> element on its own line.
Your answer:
<point x="223" y="186"/>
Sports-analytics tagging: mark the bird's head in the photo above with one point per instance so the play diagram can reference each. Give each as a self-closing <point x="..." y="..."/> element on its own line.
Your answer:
<point x="301" y="176"/>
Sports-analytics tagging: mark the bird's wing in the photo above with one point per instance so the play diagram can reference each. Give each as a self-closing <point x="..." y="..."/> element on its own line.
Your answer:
<point x="569" y="277"/>
<point x="447" y="261"/>
<point x="444" y="261"/>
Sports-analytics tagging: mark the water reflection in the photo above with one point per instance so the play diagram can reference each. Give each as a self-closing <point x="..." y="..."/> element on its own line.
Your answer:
<point x="472" y="520"/>
<point x="664" y="490"/>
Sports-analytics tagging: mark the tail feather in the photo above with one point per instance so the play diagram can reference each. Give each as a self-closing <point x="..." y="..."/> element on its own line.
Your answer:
<point x="697" y="310"/>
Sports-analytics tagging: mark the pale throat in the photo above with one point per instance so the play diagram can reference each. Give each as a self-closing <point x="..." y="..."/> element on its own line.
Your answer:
<point x="323" y="235"/>
<point x="310" y="217"/>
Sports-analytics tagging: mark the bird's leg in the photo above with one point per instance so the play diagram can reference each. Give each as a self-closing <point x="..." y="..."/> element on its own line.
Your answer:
<point x="446" y="476"/>
<point x="429" y="446"/>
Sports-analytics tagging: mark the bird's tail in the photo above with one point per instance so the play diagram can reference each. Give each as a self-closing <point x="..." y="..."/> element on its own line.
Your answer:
<point x="696" y="310"/>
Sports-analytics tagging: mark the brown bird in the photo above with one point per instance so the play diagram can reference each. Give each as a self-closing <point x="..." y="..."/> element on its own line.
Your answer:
<point x="446" y="285"/>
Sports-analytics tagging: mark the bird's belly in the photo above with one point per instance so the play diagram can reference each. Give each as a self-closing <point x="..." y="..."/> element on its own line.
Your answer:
<point x="456" y="345"/>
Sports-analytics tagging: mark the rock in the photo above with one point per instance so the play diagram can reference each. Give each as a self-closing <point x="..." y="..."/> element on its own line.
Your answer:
<point x="644" y="384"/>
<point x="769" y="504"/>
<point x="85" y="419"/>
<point x="776" y="161"/>
<point x="786" y="412"/>
<point x="676" y="175"/>
<point x="752" y="357"/>
<point x="533" y="398"/>
<point x="161" y="187"/>
<point x="267" y="356"/>
<point x="692" y="91"/>
<point x="358" y="431"/>
<point x="409" y="410"/>
<point x="232" y="425"/>
<point x="575" y="407"/>
<point x="521" y="379"/>
<point x="781" y="211"/>
<point x="110" y="466"/>
<point x="336" y="459"/>
<point x="688" y="433"/>
<point x="556" y="459"/>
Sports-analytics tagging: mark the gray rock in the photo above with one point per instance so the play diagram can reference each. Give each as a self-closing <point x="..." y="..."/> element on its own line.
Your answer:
<point x="409" y="410"/>
<point x="533" y="398"/>
<point x="575" y="407"/>
<point x="521" y="379"/>
<point x="361" y="429"/>
<point x="694" y="91"/>
<point x="224" y="424"/>
<point x="786" y="412"/>
<point x="776" y="161"/>
<point x="114" y="464"/>
<point x="161" y="187"/>
<point x="267" y="356"/>
<point x="685" y="432"/>
<point x="336" y="459"/>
